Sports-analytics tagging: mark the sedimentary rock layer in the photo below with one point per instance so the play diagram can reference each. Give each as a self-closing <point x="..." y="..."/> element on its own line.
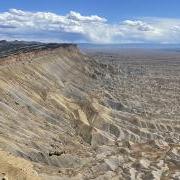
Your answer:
<point x="64" y="113"/>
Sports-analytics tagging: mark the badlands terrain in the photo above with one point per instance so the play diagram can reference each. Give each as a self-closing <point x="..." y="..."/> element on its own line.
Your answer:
<point x="67" y="113"/>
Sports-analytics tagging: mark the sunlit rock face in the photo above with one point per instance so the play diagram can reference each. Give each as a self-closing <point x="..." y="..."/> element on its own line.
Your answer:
<point x="70" y="115"/>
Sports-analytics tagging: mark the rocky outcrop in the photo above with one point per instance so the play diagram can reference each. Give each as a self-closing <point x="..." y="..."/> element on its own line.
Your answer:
<point x="11" y="52"/>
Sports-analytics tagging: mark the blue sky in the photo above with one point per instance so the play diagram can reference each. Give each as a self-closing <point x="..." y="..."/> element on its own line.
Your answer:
<point x="113" y="10"/>
<point x="96" y="21"/>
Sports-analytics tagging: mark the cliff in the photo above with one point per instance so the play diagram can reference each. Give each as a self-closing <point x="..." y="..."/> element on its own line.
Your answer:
<point x="22" y="51"/>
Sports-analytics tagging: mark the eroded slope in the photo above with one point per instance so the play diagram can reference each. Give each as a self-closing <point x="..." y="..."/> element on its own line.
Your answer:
<point x="61" y="111"/>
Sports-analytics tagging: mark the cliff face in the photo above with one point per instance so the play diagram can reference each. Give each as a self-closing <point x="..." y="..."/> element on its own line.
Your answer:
<point x="42" y="96"/>
<point x="21" y="51"/>
<point x="54" y="114"/>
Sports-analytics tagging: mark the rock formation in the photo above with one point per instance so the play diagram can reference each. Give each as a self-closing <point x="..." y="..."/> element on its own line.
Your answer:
<point x="61" y="117"/>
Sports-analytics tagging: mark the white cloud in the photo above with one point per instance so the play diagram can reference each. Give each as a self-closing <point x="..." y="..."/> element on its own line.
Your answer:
<point x="74" y="27"/>
<point x="139" y="25"/>
<point x="176" y="28"/>
<point x="78" y="17"/>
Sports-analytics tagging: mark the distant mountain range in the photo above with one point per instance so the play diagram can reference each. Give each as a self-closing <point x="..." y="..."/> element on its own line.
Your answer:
<point x="174" y="47"/>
